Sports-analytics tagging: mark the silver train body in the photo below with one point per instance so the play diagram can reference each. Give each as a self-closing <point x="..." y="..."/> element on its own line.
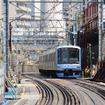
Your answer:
<point x="63" y="61"/>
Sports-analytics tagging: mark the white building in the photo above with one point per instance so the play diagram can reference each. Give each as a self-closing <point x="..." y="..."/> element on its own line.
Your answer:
<point x="21" y="15"/>
<point x="72" y="12"/>
<point x="52" y="15"/>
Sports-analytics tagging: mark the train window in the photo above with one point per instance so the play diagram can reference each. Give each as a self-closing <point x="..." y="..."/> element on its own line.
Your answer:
<point x="74" y="55"/>
<point x="68" y="55"/>
<point x="62" y="55"/>
<point x="45" y="58"/>
<point x="52" y="57"/>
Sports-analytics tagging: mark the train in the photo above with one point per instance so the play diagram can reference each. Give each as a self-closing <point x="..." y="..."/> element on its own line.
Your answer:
<point x="61" y="61"/>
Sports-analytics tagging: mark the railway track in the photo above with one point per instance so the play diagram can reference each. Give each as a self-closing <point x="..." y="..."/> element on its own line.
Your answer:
<point x="86" y="93"/>
<point x="55" y="94"/>
<point x="54" y="91"/>
<point x="96" y="87"/>
<point x="46" y="96"/>
<point x="70" y="98"/>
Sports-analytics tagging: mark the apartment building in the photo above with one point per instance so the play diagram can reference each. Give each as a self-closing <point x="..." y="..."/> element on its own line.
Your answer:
<point x="73" y="14"/>
<point x="20" y="16"/>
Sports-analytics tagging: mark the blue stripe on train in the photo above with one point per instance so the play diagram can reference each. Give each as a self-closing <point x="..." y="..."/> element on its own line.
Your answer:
<point x="62" y="75"/>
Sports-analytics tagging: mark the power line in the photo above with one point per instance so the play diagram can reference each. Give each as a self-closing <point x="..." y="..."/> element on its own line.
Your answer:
<point x="38" y="1"/>
<point x="45" y="19"/>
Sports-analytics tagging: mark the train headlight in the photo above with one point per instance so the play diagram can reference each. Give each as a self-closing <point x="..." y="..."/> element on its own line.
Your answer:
<point x="78" y="67"/>
<point x="59" y="67"/>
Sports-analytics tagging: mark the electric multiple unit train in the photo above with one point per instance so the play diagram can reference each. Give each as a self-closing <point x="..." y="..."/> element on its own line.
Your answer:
<point x="62" y="61"/>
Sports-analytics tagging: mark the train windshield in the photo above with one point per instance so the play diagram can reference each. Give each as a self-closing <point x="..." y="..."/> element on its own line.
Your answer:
<point x="68" y="56"/>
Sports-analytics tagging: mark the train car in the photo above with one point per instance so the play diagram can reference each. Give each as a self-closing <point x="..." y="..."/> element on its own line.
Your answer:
<point x="63" y="61"/>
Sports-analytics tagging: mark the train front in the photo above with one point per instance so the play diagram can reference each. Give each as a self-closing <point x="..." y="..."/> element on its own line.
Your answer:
<point x="68" y="61"/>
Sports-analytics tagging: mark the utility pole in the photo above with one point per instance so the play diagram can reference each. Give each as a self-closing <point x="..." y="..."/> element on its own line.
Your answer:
<point x="100" y="22"/>
<point x="6" y="33"/>
<point x="67" y="35"/>
<point x="10" y="39"/>
<point x="75" y="31"/>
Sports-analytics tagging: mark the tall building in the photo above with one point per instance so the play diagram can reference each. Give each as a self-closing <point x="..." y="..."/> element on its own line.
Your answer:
<point x="52" y="17"/>
<point x="22" y="19"/>
<point x="71" y="11"/>
<point x="22" y="13"/>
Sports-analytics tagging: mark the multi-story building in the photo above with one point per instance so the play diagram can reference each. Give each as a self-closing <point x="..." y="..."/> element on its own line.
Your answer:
<point x="52" y="15"/>
<point x="72" y="14"/>
<point x="22" y="13"/>
<point x="89" y="38"/>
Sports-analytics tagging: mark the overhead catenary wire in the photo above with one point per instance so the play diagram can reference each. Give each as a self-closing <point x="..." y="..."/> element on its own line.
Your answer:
<point x="60" y="1"/>
<point x="48" y="12"/>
